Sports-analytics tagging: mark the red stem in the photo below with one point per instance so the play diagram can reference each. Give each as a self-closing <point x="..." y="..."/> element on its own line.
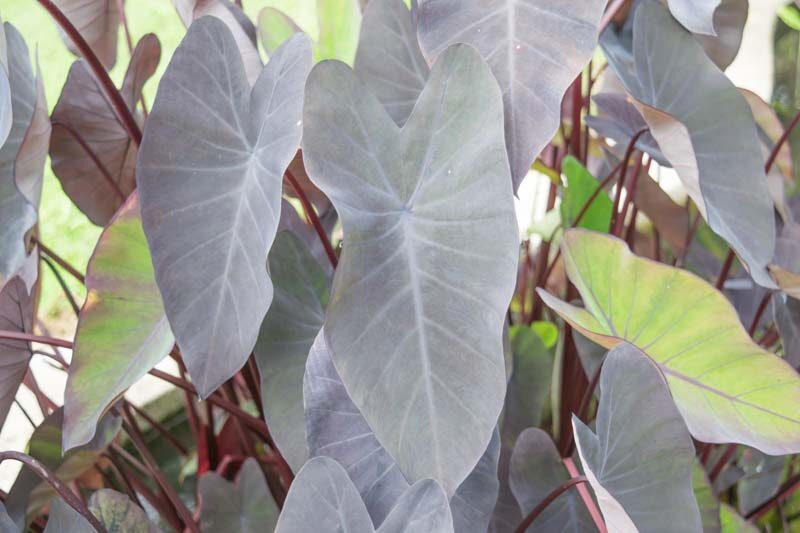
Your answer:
<point x="164" y="432"/>
<point x="550" y="498"/>
<point x="780" y="142"/>
<point x="312" y="216"/>
<point x="61" y="262"/>
<point x="759" y="313"/>
<point x="787" y="489"/>
<point x="594" y="512"/>
<point x="726" y="269"/>
<point x="720" y="464"/>
<point x="109" y="89"/>
<point x="48" y="477"/>
<point x="621" y="183"/>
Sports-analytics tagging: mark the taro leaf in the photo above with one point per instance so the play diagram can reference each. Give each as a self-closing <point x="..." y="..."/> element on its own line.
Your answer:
<point x="98" y="23"/>
<point x="92" y="154"/>
<point x="732" y="522"/>
<point x="787" y="319"/>
<point x="729" y="21"/>
<point x="529" y="386"/>
<point x="706" y="130"/>
<point x="17" y="213"/>
<point x="537" y="470"/>
<point x="707" y="502"/>
<point x="429" y="263"/>
<point x="5" y="89"/>
<point x="697" y="16"/>
<point x="29" y="164"/>
<point x="29" y="493"/>
<point x="210" y="186"/>
<point x="621" y="121"/>
<point x="388" y="59"/>
<point x="336" y="428"/>
<point x="122" y="330"/>
<point x="113" y="510"/>
<point x="275" y="27"/>
<point x="535" y="49"/>
<point x="246" y="507"/>
<point x="785" y="268"/>
<point x="6" y="524"/>
<point x="339" y="21"/>
<point x="763" y="475"/>
<point x="726" y="387"/>
<point x="16" y="314"/>
<point x="287" y="333"/>
<point x="639" y="463"/>
<point x="240" y="27"/>
<point x="322" y="498"/>
<point x="581" y="185"/>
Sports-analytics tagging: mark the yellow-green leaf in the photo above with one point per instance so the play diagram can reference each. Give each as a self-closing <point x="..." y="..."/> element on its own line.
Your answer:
<point x="726" y="387"/>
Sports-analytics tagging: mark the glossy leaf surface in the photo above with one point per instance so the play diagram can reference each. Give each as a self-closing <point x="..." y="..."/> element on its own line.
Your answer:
<point x="210" y="172"/>
<point x="428" y="267"/>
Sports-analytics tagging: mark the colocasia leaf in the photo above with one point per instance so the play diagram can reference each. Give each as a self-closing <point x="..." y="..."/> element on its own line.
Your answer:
<point x="640" y="461"/>
<point x="122" y="330"/>
<point x="92" y="154"/>
<point x="429" y="263"/>
<point x="113" y="510"/>
<point x="210" y="172"/>
<point x="21" y="157"/>
<point x="729" y="19"/>
<point x="697" y="16"/>
<point x="581" y="185"/>
<point x="322" y="498"/>
<point x="727" y="388"/>
<point x="785" y="269"/>
<point x="786" y="312"/>
<point x="5" y="88"/>
<point x="275" y="27"/>
<point x="732" y="522"/>
<point x="289" y="329"/>
<point x="705" y="129"/>
<point x="246" y="507"/>
<point x="707" y="502"/>
<point x="16" y="314"/>
<point x="388" y="59"/>
<point x="29" y="493"/>
<point x="537" y="470"/>
<point x="98" y="23"/>
<point x="762" y="478"/>
<point x="535" y="49"/>
<point x="336" y="429"/>
<point x="241" y="28"/>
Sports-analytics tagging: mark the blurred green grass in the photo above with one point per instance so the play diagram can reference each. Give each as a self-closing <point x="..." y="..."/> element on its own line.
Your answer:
<point x="62" y="226"/>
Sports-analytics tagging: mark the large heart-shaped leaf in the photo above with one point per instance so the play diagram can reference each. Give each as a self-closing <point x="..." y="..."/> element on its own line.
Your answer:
<point x="210" y="171"/>
<point x="16" y="314"/>
<point x="29" y="493"/>
<point x="705" y="129"/>
<point x="336" y="429"/>
<point x="17" y="211"/>
<point x="122" y="329"/>
<point x="535" y="49"/>
<point x="92" y="154"/>
<point x="389" y="60"/>
<point x="246" y="507"/>
<point x="640" y="461"/>
<point x="287" y="334"/>
<point x="322" y="498"/>
<point x="537" y="470"/>
<point x="726" y="387"/>
<point x="429" y="261"/>
<point x="98" y="23"/>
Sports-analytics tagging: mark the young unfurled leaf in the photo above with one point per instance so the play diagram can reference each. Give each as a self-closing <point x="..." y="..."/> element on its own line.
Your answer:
<point x="244" y="507"/>
<point x="536" y="470"/>
<point x="727" y="388"/>
<point x="287" y="333"/>
<point x="580" y="187"/>
<point x="322" y="498"/>
<point x="210" y="172"/>
<point x="92" y="154"/>
<point x="18" y="210"/>
<point x="122" y="330"/>
<point x="98" y="23"/>
<point x="705" y="129"/>
<point x="388" y="59"/>
<point x="241" y="28"/>
<point x="535" y="49"/>
<point x="640" y="461"/>
<point x="429" y="261"/>
<point x="336" y="429"/>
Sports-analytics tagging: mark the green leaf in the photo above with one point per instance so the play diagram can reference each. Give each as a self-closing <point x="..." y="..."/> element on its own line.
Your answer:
<point x="547" y="331"/>
<point x="275" y="27"/>
<point x="529" y="386"/>
<point x="287" y="333"/>
<point x="726" y="387"/>
<point x="732" y="522"/>
<point x="339" y="21"/>
<point x="707" y="501"/>
<point x="580" y="187"/>
<point x="122" y="329"/>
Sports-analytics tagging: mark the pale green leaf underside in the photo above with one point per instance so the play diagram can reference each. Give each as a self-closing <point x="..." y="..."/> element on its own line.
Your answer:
<point x="726" y="387"/>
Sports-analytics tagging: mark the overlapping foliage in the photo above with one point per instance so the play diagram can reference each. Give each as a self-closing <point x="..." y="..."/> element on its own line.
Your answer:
<point x="315" y="222"/>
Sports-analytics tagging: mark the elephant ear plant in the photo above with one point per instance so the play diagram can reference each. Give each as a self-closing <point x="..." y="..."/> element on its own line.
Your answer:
<point x="322" y="223"/>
